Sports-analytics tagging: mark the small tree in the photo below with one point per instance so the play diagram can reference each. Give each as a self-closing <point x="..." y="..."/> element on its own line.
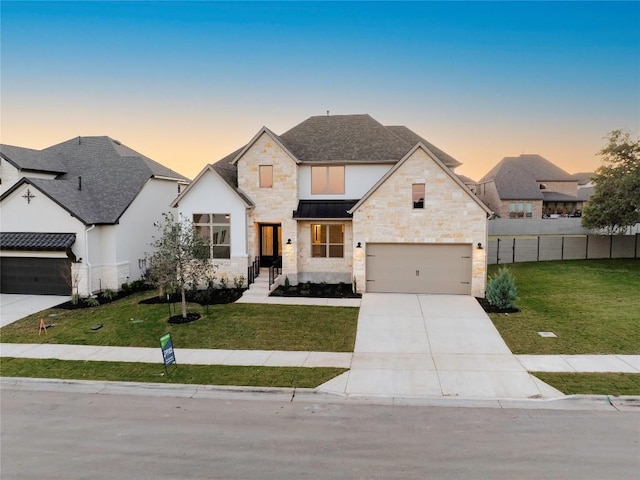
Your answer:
<point x="501" y="289"/>
<point x="180" y="257"/>
<point x="615" y="204"/>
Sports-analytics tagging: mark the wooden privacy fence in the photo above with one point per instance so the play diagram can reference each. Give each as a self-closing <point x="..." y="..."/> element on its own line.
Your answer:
<point x="552" y="247"/>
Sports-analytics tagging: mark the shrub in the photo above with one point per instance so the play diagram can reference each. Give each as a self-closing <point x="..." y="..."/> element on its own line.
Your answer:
<point x="108" y="294"/>
<point x="138" y="285"/>
<point x="92" y="302"/>
<point x="286" y="282"/>
<point x="223" y="281"/>
<point x="238" y="282"/>
<point x="501" y="289"/>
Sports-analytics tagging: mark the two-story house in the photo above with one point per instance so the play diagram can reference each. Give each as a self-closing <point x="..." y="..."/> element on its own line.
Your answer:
<point x="78" y="217"/>
<point x="343" y="198"/>
<point x="529" y="186"/>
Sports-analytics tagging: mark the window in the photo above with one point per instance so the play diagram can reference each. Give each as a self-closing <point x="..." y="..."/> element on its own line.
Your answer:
<point x="520" y="209"/>
<point x="327" y="241"/>
<point x="216" y="229"/>
<point x="266" y="176"/>
<point x="417" y="194"/>
<point x="327" y="180"/>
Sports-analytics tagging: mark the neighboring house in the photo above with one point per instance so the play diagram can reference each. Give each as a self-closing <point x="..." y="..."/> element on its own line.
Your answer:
<point x="343" y="198"/>
<point x="78" y="216"/>
<point x="529" y="186"/>
<point x="586" y="186"/>
<point x="469" y="182"/>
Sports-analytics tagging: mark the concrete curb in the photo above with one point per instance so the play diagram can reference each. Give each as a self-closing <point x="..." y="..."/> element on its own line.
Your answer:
<point x="308" y="395"/>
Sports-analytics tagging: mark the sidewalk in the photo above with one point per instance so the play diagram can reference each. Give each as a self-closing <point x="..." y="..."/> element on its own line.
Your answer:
<point x="278" y="358"/>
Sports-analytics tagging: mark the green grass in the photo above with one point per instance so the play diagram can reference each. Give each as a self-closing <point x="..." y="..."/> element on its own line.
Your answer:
<point x="593" y="383"/>
<point x="186" y="374"/>
<point x="231" y="326"/>
<point x="592" y="305"/>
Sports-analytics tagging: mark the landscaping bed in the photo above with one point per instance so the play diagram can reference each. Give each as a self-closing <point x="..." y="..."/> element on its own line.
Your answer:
<point x="316" y="290"/>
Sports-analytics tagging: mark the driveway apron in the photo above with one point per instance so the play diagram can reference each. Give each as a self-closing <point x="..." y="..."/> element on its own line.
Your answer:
<point x="411" y="345"/>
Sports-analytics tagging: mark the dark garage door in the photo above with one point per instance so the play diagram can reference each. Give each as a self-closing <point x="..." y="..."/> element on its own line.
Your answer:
<point x="35" y="276"/>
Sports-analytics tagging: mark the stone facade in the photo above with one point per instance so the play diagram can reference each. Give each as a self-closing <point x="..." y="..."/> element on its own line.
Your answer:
<point x="450" y="215"/>
<point x="273" y="205"/>
<point x="330" y="270"/>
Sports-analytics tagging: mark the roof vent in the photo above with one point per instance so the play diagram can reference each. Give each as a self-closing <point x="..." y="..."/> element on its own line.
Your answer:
<point x="79" y="183"/>
<point x="543" y="186"/>
<point x="117" y="142"/>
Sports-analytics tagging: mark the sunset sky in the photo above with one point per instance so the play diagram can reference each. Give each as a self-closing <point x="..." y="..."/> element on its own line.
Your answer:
<point x="186" y="83"/>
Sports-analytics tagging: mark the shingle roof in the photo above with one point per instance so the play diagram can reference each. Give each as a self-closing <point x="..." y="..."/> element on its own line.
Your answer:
<point x="324" y="209"/>
<point x="412" y="138"/>
<point x="342" y="139"/>
<point x="517" y="177"/>
<point x="229" y="173"/>
<point x="112" y="176"/>
<point x="583" y="177"/>
<point x="36" y="241"/>
<point x="585" y="193"/>
<point x="557" y="197"/>
<point x="31" y="160"/>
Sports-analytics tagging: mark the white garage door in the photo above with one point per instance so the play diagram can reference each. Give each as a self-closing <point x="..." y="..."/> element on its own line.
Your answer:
<point x="419" y="268"/>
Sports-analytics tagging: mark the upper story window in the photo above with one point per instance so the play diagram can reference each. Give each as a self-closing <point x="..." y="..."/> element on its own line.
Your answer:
<point x="417" y="195"/>
<point x="327" y="180"/>
<point x="216" y="228"/>
<point x="266" y="176"/>
<point x="327" y="240"/>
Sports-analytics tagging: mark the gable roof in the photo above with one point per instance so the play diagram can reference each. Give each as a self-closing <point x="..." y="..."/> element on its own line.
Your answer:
<point x="226" y="171"/>
<point x="392" y="170"/>
<point x="518" y="177"/>
<point x="112" y="175"/>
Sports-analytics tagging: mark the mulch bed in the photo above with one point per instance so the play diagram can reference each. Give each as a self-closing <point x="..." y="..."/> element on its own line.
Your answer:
<point x="218" y="296"/>
<point x="178" y="319"/>
<point x="484" y="303"/>
<point x="316" y="290"/>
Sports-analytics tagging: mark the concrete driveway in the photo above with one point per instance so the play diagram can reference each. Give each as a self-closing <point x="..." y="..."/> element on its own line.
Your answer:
<point x="16" y="306"/>
<point x="432" y="345"/>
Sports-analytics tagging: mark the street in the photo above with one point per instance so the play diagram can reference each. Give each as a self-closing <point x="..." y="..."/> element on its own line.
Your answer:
<point x="70" y="435"/>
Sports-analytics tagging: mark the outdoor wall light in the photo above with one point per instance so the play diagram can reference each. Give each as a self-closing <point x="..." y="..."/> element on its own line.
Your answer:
<point x="289" y="241"/>
<point x="359" y="245"/>
<point x="480" y="247"/>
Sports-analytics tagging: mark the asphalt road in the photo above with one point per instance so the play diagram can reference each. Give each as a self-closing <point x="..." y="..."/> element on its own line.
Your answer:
<point x="54" y="435"/>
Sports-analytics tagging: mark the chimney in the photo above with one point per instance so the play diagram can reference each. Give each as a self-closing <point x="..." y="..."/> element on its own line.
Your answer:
<point x="79" y="183"/>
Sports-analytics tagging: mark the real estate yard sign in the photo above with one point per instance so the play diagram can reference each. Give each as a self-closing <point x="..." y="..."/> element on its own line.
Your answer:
<point x="167" y="351"/>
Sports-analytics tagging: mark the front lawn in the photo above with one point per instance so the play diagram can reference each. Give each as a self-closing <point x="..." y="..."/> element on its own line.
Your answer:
<point x="298" y="377"/>
<point x="233" y="326"/>
<point x="593" y="383"/>
<point x="593" y="306"/>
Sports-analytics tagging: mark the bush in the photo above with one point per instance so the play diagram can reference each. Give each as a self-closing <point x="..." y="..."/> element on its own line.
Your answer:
<point x="501" y="290"/>
<point x="108" y="295"/>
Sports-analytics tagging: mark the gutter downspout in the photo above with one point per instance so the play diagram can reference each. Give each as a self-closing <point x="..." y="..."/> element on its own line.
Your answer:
<point x="86" y="254"/>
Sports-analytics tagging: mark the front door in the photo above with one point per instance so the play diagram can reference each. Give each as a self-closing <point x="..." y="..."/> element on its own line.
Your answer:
<point x="270" y="244"/>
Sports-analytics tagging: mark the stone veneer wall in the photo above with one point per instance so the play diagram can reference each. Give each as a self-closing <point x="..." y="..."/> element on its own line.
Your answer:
<point x="330" y="270"/>
<point x="450" y="215"/>
<point x="272" y="205"/>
